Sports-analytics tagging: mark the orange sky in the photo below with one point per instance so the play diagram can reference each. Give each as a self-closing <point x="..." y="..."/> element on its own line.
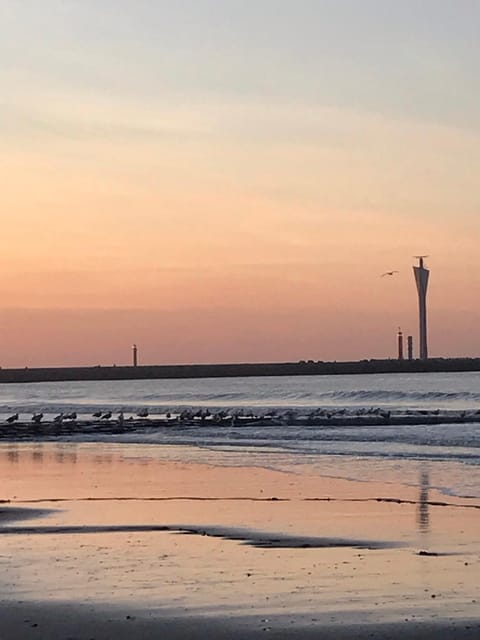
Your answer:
<point x="210" y="223"/>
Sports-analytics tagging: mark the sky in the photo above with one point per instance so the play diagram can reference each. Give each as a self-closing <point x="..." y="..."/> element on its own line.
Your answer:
<point x="225" y="180"/>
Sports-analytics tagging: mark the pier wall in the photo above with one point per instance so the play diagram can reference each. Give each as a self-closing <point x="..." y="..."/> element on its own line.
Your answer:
<point x="53" y="374"/>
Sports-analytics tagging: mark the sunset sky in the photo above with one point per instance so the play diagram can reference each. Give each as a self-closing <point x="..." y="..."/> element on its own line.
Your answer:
<point x="225" y="180"/>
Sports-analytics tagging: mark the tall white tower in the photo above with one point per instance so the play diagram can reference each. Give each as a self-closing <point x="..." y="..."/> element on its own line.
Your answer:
<point x="421" y="279"/>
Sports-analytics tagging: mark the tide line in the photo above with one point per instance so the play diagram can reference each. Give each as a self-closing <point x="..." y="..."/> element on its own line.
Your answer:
<point x="430" y="503"/>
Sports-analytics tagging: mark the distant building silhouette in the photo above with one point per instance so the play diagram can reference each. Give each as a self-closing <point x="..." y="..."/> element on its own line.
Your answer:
<point x="421" y="279"/>
<point x="410" y="347"/>
<point x="135" y="355"/>
<point x="400" y="344"/>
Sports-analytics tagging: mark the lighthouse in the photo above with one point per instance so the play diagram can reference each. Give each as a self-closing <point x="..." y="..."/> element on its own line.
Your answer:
<point x="400" y="344"/>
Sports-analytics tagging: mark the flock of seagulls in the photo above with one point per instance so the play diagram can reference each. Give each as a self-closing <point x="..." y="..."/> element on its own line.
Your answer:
<point x="72" y="416"/>
<point x="225" y="417"/>
<point x="205" y="415"/>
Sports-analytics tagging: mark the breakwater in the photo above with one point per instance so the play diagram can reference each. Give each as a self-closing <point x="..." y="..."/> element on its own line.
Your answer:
<point x="302" y="368"/>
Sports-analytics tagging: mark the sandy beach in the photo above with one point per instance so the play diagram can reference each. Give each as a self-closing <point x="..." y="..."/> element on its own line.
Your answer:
<point x="135" y="541"/>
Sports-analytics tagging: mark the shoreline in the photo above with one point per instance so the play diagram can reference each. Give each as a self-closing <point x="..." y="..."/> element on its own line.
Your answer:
<point x="396" y="481"/>
<point x="397" y="489"/>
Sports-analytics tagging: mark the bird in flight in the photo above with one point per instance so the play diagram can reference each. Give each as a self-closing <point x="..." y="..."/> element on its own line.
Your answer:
<point x="388" y="273"/>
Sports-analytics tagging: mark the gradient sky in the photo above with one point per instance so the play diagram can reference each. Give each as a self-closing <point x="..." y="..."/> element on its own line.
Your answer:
<point x="225" y="180"/>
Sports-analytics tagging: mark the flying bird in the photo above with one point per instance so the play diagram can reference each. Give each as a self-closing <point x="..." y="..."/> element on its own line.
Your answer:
<point x="388" y="273"/>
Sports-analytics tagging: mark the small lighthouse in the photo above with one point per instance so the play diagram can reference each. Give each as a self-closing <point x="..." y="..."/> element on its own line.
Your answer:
<point x="135" y="355"/>
<point x="400" y="344"/>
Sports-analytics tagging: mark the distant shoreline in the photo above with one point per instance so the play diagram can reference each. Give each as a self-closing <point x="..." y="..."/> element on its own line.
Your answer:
<point x="302" y="368"/>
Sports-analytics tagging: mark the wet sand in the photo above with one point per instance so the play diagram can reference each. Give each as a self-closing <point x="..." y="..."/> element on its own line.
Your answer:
<point x="103" y="541"/>
<point x="75" y="622"/>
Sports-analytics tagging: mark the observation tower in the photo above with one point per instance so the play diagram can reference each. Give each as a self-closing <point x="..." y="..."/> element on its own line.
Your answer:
<point x="421" y="274"/>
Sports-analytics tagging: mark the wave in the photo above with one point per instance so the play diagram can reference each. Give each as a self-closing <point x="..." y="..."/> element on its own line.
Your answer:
<point x="379" y="394"/>
<point x="158" y="403"/>
<point x="316" y="396"/>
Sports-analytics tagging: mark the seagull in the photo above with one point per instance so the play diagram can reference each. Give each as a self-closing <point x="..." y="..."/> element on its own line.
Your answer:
<point x="388" y="273"/>
<point x="37" y="417"/>
<point x="59" y="419"/>
<point x="97" y="414"/>
<point x="11" y="419"/>
<point x="106" y="416"/>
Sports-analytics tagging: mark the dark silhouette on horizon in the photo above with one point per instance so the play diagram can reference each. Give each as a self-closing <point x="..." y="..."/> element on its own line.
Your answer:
<point x="301" y="368"/>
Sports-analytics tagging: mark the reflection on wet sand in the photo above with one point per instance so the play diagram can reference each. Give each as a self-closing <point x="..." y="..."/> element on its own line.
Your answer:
<point x="423" y="513"/>
<point x="12" y="453"/>
<point x="44" y="453"/>
<point x="102" y="459"/>
<point x="65" y="454"/>
<point x="37" y="453"/>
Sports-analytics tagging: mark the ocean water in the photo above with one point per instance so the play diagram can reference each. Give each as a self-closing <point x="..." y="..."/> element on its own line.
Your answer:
<point x="450" y="452"/>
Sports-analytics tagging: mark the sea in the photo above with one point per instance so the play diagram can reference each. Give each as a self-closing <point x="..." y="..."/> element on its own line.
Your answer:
<point x="449" y="453"/>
